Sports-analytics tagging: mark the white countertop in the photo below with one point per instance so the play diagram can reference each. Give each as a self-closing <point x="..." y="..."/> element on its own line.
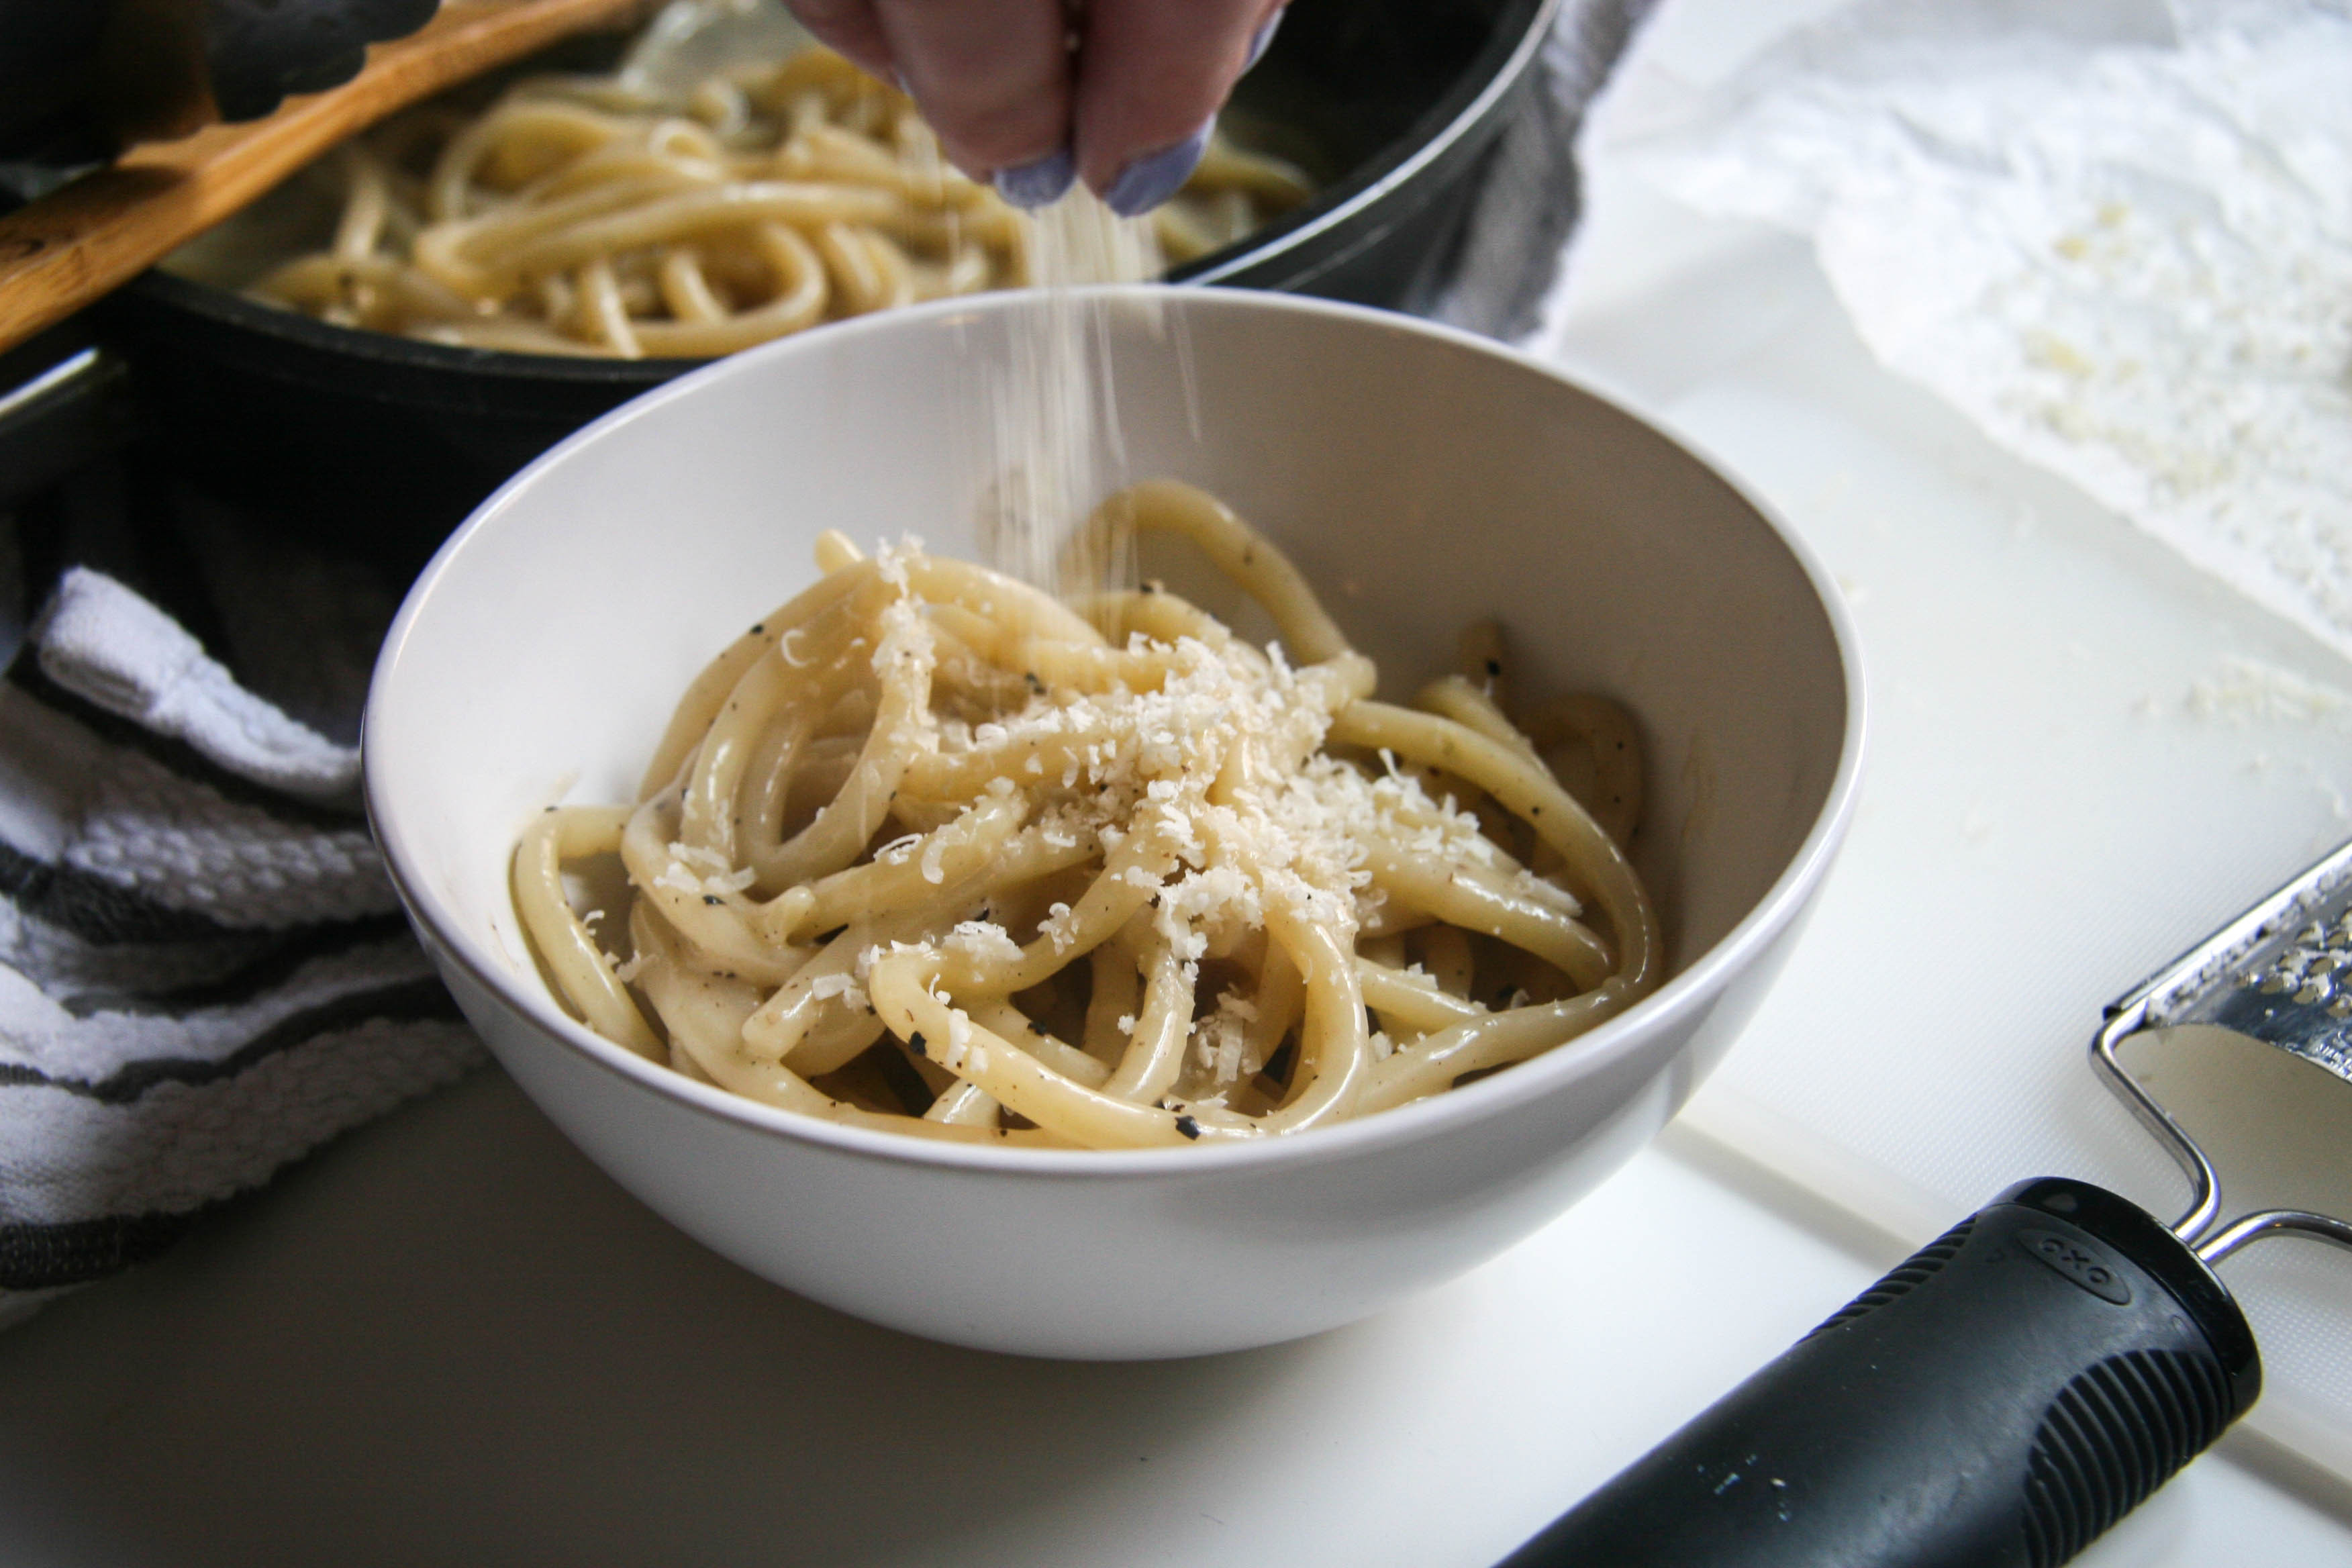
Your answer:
<point x="448" y="1338"/>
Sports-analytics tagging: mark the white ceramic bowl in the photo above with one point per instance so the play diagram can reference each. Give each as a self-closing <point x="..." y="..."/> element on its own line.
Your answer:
<point x="1422" y="478"/>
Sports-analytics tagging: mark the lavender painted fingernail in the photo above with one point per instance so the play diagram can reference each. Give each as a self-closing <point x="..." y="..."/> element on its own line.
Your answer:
<point x="1148" y="181"/>
<point x="1264" y="37"/>
<point x="1039" y="184"/>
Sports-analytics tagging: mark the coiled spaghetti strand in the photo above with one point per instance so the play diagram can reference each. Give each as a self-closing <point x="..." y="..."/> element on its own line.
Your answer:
<point x="1532" y="796"/>
<point x="1214" y="899"/>
<point x="902" y="986"/>
<point x="701" y="901"/>
<point x="1155" y="1051"/>
<point x="562" y="941"/>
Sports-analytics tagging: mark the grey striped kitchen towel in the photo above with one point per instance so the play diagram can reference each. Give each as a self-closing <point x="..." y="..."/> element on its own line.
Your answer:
<point x="203" y="972"/>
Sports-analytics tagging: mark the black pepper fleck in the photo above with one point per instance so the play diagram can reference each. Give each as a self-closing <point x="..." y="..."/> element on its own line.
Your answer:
<point x="1494" y="667"/>
<point x="915" y="1044"/>
<point x="712" y="899"/>
<point x="759" y="628"/>
<point x="1187" y="1126"/>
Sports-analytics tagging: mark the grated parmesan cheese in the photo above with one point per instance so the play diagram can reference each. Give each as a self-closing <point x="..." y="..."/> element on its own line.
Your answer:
<point x="1220" y="765"/>
<point x="984" y="939"/>
<point x="844" y="988"/>
<point x="1059" y="927"/>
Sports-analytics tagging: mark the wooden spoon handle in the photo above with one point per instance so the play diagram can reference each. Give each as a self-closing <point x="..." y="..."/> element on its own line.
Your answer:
<point x="74" y="244"/>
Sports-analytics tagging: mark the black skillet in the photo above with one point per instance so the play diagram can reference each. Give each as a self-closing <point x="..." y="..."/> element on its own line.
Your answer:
<point x="1394" y="102"/>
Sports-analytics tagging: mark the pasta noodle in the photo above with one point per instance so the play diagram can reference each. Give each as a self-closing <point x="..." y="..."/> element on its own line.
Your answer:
<point x="929" y="850"/>
<point x="587" y="215"/>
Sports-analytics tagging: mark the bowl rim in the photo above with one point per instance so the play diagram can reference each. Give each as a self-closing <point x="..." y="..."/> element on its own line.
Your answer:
<point x="1691" y="989"/>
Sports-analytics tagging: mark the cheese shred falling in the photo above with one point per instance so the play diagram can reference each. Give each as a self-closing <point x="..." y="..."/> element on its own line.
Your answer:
<point x="978" y="864"/>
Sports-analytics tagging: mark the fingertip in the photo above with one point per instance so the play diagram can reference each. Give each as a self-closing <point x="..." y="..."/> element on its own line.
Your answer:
<point x="1148" y="180"/>
<point x="1150" y="73"/>
<point x="994" y="80"/>
<point x="1039" y="182"/>
<point x="1262" y="40"/>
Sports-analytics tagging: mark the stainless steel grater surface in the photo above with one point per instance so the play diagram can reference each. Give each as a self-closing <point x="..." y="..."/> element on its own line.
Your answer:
<point x="2281" y="973"/>
<point x="2293" y="987"/>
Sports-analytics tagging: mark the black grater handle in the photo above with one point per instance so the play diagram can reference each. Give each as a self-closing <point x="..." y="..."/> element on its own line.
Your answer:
<point x="2000" y="1398"/>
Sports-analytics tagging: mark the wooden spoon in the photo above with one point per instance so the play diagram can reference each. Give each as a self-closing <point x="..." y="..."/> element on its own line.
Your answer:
<point x="63" y="251"/>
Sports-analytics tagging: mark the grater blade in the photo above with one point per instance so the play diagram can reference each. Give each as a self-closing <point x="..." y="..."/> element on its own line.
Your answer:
<point x="2280" y="974"/>
<point x="2294" y="991"/>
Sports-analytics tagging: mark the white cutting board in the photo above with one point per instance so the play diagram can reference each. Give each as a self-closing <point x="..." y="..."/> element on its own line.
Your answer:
<point x="2084" y="755"/>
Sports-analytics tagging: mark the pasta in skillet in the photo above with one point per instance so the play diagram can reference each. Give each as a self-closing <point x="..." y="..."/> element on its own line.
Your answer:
<point x="929" y="850"/>
<point x="586" y="216"/>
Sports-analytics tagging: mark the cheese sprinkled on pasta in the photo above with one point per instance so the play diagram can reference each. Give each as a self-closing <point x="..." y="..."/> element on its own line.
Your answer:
<point x="929" y="850"/>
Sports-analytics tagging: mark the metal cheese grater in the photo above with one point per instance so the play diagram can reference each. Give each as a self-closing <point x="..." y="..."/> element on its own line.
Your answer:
<point x="2281" y="973"/>
<point x="2012" y="1389"/>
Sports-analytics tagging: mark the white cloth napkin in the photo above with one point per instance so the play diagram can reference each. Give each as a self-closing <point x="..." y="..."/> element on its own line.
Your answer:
<point x="204" y="973"/>
<point x="2117" y="234"/>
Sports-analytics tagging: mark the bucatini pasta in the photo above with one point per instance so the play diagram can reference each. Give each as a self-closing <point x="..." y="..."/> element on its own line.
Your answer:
<point x="587" y="215"/>
<point x="929" y="850"/>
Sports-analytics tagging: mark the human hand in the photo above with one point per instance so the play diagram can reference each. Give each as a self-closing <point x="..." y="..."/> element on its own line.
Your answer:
<point x="1027" y="94"/>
